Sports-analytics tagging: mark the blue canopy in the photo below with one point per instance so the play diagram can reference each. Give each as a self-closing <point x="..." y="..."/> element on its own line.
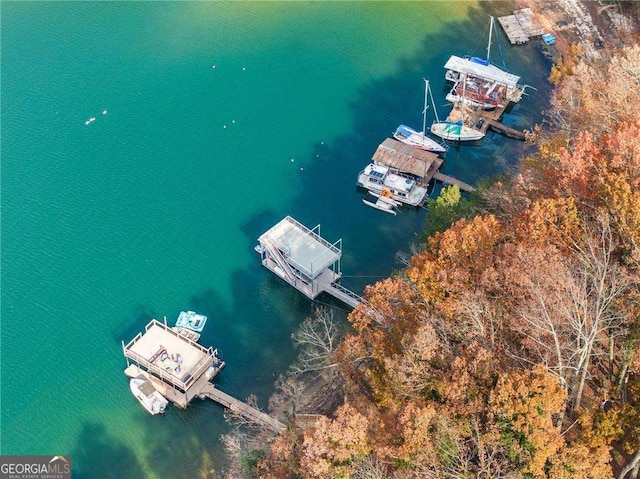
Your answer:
<point x="481" y="61"/>
<point x="405" y="130"/>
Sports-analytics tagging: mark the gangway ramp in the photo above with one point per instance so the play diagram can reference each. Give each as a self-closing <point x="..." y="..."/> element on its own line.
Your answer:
<point x="239" y="407"/>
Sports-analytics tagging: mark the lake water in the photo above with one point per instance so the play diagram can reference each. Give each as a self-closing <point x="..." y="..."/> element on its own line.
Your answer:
<point x="212" y="122"/>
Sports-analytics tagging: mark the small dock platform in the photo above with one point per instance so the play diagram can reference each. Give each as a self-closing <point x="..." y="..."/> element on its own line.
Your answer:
<point x="181" y="369"/>
<point x="305" y="260"/>
<point x="521" y="26"/>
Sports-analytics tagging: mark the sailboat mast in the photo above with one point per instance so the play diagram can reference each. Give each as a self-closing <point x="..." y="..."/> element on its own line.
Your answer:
<point x="490" y="35"/>
<point x="424" y="110"/>
<point x="435" y="110"/>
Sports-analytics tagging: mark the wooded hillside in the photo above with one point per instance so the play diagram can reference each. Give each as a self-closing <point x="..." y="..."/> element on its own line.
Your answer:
<point x="508" y="347"/>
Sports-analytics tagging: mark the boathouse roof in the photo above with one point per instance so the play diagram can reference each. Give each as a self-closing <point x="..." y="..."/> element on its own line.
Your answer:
<point x="302" y="248"/>
<point x="406" y="158"/>
<point x="489" y="72"/>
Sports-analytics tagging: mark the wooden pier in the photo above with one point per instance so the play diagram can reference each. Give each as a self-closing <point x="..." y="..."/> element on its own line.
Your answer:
<point x="521" y="26"/>
<point x="450" y="180"/>
<point x="181" y="370"/>
<point x="239" y="407"/>
<point x="305" y="260"/>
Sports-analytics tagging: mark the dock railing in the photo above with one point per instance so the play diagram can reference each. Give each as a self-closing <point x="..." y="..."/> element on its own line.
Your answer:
<point x="198" y="370"/>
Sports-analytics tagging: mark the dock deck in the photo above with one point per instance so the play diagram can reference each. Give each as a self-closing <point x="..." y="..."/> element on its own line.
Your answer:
<point x="305" y="260"/>
<point x="521" y="26"/>
<point x="181" y="370"/>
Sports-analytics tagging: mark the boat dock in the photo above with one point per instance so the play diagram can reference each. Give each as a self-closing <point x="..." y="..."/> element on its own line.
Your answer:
<point x="521" y="26"/>
<point x="481" y="120"/>
<point x="395" y="154"/>
<point x="181" y="370"/>
<point x="305" y="260"/>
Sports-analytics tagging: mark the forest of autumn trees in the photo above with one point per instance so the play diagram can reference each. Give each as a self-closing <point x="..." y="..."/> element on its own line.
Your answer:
<point x="508" y="347"/>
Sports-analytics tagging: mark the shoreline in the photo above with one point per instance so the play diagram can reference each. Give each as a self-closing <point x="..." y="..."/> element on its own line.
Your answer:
<point x="588" y="22"/>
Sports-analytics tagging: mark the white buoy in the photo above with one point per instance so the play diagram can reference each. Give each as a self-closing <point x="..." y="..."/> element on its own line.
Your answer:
<point x="104" y="112"/>
<point x="224" y="126"/>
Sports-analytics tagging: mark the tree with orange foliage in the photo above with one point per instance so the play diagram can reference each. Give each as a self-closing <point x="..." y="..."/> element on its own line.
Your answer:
<point x="522" y="407"/>
<point x="332" y="447"/>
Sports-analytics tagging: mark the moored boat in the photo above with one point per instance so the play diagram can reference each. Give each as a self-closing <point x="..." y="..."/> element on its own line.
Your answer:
<point x="402" y="187"/>
<point x="419" y="139"/>
<point x="191" y="320"/>
<point x="455" y="131"/>
<point x="409" y="136"/>
<point x="495" y="86"/>
<point x="148" y="395"/>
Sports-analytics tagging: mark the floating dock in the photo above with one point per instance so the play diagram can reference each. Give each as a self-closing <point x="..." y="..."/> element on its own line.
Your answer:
<point x="521" y="26"/>
<point x="305" y="260"/>
<point x="181" y="370"/>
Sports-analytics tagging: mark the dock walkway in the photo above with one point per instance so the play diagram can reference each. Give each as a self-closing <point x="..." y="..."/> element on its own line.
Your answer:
<point x="242" y="408"/>
<point x="450" y="180"/>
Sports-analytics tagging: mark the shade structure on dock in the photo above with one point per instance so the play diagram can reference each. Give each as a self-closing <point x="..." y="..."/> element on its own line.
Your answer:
<point x="301" y="247"/>
<point x="467" y="66"/>
<point x="407" y="159"/>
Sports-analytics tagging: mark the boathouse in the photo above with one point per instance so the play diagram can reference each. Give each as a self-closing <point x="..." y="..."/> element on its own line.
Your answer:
<point x="419" y="163"/>
<point x="304" y="259"/>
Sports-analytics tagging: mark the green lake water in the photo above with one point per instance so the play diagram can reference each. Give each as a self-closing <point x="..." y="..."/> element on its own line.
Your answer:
<point x="219" y="119"/>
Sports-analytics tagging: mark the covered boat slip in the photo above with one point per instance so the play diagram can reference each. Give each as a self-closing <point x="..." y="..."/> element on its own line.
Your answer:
<point x="305" y="260"/>
<point x="303" y="248"/>
<point x="176" y="360"/>
<point x="466" y="66"/>
<point x="407" y="159"/>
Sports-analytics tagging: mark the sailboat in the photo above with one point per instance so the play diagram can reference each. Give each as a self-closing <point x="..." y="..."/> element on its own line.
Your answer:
<point x="482" y="82"/>
<point x="454" y="128"/>
<point x="409" y="136"/>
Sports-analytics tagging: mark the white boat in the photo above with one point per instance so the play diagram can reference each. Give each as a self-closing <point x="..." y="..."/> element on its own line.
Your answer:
<point x="380" y="205"/>
<point x="147" y="395"/>
<point x="191" y="320"/>
<point x="454" y="128"/>
<point x="496" y="87"/>
<point x="455" y="131"/>
<point x="384" y="202"/>
<point x="419" y="139"/>
<point x="403" y="187"/>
